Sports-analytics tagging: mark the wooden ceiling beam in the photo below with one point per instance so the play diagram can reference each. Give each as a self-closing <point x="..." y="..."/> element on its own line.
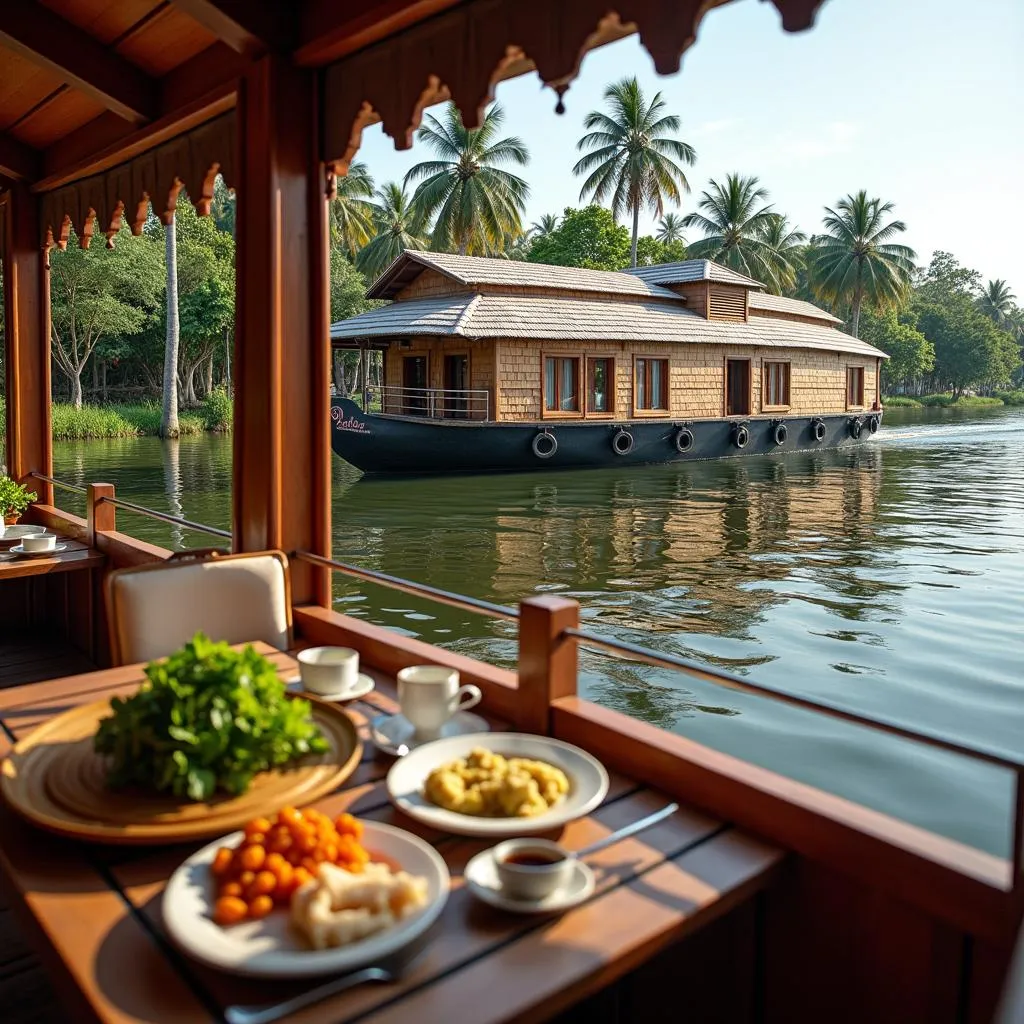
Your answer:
<point x="18" y="162"/>
<point x="329" y="30"/>
<point x="40" y="36"/>
<point x="250" y="27"/>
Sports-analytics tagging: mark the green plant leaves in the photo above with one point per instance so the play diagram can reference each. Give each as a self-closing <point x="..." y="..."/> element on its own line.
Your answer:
<point x="208" y="719"/>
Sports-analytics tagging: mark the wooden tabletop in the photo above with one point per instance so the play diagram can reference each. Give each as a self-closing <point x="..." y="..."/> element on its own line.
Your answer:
<point x="95" y="911"/>
<point x="76" y="556"/>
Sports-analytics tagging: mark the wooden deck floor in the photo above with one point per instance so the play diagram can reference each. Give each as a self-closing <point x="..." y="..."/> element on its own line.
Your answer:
<point x="26" y="992"/>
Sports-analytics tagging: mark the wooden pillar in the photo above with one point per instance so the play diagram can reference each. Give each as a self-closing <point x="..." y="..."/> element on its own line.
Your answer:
<point x="281" y="493"/>
<point x="547" y="662"/>
<point x="27" y="355"/>
<point x="100" y="515"/>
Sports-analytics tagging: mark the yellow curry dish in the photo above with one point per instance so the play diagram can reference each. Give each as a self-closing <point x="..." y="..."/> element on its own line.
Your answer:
<point x="486" y="784"/>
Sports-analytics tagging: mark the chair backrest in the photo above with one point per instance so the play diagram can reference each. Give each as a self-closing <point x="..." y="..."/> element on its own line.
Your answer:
<point x="155" y="609"/>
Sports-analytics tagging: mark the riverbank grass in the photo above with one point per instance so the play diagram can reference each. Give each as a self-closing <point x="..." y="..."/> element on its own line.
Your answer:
<point x="93" y="422"/>
<point x="947" y="401"/>
<point x="900" y="402"/>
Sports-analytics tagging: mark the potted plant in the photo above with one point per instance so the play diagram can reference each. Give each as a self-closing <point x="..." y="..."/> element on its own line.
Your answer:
<point x="14" y="499"/>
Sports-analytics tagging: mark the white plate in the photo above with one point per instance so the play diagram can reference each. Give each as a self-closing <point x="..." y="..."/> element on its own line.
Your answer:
<point x="364" y="685"/>
<point x="269" y="948"/>
<point x="482" y="878"/>
<point x="588" y="783"/>
<point x="19" y="550"/>
<point x="393" y="732"/>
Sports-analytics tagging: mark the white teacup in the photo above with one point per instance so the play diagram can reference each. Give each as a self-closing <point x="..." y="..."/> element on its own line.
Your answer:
<point x="430" y="695"/>
<point x="38" y="542"/>
<point x="328" y="670"/>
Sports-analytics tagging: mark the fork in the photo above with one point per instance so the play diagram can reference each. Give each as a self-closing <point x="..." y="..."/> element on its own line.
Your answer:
<point x="388" y="970"/>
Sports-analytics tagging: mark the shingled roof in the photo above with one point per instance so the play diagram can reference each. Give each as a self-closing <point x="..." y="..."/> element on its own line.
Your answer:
<point x="688" y="271"/>
<point x="473" y="271"/>
<point x="476" y="316"/>
<point x="780" y="304"/>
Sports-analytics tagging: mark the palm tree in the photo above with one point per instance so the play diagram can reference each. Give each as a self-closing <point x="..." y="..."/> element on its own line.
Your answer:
<point x="670" y="229"/>
<point x="735" y="221"/>
<point x="787" y="247"/>
<point x="633" y="161"/>
<point x="543" y="227"/>
<point x="351" y="209"/>
<point x="477" y="203"/>
<point x="996" y="301"/>
<point x="855" y="260"/>
<point x="396" y="228"/>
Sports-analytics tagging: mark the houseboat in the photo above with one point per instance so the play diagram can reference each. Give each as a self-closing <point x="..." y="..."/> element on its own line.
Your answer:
<point x="498" y="365"/>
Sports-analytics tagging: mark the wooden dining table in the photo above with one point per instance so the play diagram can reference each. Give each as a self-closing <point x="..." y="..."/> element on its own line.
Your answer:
<point x="94" y="912"/>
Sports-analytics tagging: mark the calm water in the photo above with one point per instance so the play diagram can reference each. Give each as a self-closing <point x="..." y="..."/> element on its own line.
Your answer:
<point x="886" y="579"/>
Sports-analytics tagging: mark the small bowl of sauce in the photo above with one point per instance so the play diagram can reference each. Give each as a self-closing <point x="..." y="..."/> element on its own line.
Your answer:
<point x="531" y="869"/>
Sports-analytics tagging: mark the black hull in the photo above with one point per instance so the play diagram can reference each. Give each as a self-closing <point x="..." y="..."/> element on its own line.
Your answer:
<point x="389" y="444"/>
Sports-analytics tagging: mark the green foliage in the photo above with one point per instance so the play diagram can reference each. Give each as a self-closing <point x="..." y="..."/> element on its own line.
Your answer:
<point x="633" y="161"/>
<point x="223" y="207"/>
<point x="218" y="410"/>
<point x="945" y="276"/>
<point x="475" y="203"/>
<point x="670" y="229"/>
<point x="738" y="231"/>
<point x="948" y="400"/>
<point x="14" y="497"/>
<point x="397" y="227"/>
<point x="209" y="718"/>
<point x="650" y="250"/>
<point x="900" y="402"/>
<point x="911" y="353"/>
<point x="1015" y="397"/>
<point x="90" y="422"/>
<point x="996" y="301"/>
<point x="587" y="238"/>
<point x="855" y="259"/>
<point x="348" y="289"/>
<point x="351" y="211"/>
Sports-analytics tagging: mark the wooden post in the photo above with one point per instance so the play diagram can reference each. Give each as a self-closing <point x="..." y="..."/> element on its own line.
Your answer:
<point x="27" y="356"/>
<point x="100" y="516"/>
<point x="281" y="436"/>
<point x="547" y="662"/>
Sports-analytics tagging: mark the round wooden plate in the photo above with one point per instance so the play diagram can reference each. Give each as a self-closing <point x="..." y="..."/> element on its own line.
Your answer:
<point x="55" y="780"/>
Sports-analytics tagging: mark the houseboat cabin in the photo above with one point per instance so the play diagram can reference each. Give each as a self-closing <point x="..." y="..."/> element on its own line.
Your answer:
<point x="559" y="366"/>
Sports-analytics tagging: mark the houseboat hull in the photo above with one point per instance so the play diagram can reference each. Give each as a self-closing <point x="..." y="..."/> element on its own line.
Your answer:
<point x="407" y="444"/>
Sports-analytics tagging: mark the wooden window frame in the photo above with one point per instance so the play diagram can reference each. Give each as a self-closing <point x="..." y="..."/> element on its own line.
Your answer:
<point x="559" y="414"/>
<point x="765" y="404"/>
<point x="850" y="368"/>
<point x="599" y="414"/>
<point x="661" y="412"/>
<point x="725" y="386"/>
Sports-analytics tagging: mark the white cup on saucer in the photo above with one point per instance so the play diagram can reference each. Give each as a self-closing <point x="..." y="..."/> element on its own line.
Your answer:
<point x="36" y="542"/>
<point x="430" y="695"/>
<point x="329" y="671"/>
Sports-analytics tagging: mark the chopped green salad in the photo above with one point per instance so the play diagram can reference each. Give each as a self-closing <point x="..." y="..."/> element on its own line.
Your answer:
<point x="208" y="718"/>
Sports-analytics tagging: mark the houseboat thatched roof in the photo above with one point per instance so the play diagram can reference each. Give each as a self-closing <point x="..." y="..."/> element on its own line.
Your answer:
<point x="479" y="270"/>
<point x="488" y="298"/>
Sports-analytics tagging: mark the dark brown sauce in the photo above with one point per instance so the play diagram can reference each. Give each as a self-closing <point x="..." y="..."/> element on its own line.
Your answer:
<point x="533" y="859"/>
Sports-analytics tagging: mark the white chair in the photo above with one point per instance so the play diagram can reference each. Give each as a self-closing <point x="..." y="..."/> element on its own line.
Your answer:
<point x="153" y="610"/>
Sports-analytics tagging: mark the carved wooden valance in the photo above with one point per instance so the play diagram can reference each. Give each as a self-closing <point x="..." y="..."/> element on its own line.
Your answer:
<point x="462" y="55"/>
<point x="102" y="203"/>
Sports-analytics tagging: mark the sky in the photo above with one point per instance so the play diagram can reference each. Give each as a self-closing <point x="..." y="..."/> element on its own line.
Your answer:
<point x="920" y="102"/>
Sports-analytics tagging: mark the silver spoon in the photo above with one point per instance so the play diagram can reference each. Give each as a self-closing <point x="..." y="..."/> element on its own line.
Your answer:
<point x="625" y="832"/>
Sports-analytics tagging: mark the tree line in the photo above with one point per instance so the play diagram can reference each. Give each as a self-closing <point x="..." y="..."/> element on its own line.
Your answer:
<point x="154" y="315"/>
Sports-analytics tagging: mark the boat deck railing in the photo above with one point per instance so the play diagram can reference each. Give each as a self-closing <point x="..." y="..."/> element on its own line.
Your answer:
<point x="435" y="403"/>
<point x="99" y="495"/>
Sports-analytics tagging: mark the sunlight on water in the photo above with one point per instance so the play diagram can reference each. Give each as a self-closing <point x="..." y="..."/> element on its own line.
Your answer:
<point x="885" y="579"/>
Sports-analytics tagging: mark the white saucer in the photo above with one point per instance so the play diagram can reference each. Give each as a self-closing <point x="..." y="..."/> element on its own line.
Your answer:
<point x="391" y="733"/>
<point x="19" y="550"/>
<point x="364" y="685"/>
<point x="482" y="878"/>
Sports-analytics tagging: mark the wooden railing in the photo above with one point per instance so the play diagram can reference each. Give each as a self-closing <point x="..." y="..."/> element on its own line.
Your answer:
<point x="975" y="891"/>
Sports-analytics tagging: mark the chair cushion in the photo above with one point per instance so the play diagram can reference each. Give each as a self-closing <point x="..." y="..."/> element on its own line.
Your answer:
<point x="234" y="599"/>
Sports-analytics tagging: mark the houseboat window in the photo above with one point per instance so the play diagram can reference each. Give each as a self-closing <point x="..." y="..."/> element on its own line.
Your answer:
<point x="776" y="383"/>
<point x="561" y="378"/>
<point x="600" y="381"/>
<point x="414" y="386"/>
<point x="652" y="383"/>
<point x="737" y="387"/>
<point x="855" y="385"/>
<point x="456" y="381"/>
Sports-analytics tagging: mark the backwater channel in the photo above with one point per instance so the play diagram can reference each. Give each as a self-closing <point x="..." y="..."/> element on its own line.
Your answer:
<point x="886" y="579"/>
